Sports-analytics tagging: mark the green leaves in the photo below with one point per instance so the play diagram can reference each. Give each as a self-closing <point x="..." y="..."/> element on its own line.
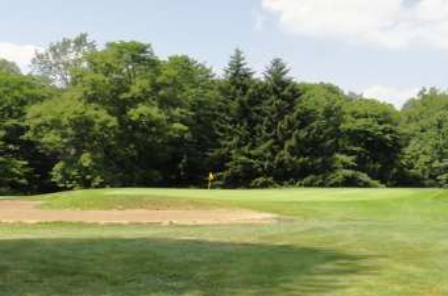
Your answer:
<point x="122" y="116"/>
<point x="79" y="134"/>
<point x="372" y="136"/>
<point x="57" y="63"/>
<point x="424" y="123"/>
<point x="283" y="133"/>
<point x="20" y="162"/>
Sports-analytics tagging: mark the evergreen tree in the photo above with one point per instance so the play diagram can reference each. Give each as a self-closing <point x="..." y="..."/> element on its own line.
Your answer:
<point x="236" y="124"/>
<point x="281" y="95"/>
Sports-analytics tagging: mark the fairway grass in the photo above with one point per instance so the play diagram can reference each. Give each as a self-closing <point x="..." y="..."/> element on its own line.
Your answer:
<point x="345" y="242"/>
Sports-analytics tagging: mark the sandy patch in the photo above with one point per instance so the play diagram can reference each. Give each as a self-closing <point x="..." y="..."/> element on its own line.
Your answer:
<point x="29" y="212"/>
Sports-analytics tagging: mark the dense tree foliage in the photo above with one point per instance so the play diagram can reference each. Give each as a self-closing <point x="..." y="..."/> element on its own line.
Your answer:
<point x="22" y="166"/>
<point x="426" y="128"/>
<point x="122" y="116"/>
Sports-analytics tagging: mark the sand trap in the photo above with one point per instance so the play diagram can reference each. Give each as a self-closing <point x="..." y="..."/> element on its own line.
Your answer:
<point x="30" y="213"/>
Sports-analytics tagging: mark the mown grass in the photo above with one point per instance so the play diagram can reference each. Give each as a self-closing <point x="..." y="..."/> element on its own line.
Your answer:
<point x="167" y="266"/>
<point x="110" y="200"/>
<point x="346" y="242"/>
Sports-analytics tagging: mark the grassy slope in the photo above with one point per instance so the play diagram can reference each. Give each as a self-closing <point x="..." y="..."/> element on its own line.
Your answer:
<point x="346" y="242"/>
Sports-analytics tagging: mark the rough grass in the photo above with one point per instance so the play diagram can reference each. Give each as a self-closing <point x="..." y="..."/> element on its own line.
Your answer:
<point x="346" y="242"/>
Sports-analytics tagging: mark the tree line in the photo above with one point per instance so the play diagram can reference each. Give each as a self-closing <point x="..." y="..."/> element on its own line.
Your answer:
<point x="121" y="116"/>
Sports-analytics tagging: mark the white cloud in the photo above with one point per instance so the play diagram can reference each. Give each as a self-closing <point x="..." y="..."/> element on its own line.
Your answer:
<point x="20" y="54"/>
<point x="396" y="96"/>
<point x="385" y="23"/>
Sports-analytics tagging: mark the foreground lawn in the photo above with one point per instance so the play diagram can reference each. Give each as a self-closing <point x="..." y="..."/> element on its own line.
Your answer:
<point x="348" y="242"/>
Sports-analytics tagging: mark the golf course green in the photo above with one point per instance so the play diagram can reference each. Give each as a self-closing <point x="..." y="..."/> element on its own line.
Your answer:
<point x="339" y="242"/>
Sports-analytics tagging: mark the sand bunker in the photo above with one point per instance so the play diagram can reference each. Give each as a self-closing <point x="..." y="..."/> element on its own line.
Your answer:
<point x="29" y="212"/>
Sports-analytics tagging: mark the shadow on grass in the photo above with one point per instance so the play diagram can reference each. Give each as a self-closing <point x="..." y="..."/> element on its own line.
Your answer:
<point x="135" y="267"/>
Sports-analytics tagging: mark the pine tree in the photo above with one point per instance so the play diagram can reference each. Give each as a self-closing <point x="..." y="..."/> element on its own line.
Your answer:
<point x="236" y="118"/>
<point x="282" y="95"/>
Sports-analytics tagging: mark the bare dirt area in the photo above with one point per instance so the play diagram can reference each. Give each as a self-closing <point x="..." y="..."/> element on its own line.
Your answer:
<point x="30" y="213"/>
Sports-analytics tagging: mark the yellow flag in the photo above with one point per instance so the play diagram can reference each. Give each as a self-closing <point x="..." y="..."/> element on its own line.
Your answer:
<point x="211" y="177"/>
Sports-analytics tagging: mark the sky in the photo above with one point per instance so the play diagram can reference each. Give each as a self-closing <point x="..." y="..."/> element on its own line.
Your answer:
<point x="385" y="49"/>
